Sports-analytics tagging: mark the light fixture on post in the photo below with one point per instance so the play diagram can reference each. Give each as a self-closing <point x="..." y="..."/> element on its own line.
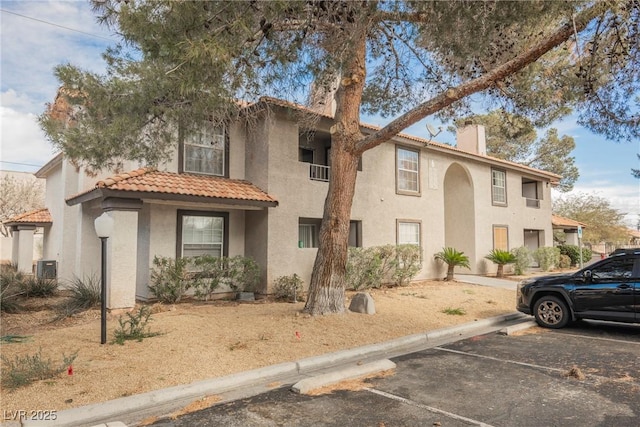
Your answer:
<point x="104" y="227"/>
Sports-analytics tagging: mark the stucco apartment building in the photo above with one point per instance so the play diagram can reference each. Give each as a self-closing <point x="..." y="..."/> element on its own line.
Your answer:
<point x="259" y="191"/>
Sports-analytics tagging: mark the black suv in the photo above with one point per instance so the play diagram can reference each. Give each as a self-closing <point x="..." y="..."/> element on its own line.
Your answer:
<point x="606" y="290"/>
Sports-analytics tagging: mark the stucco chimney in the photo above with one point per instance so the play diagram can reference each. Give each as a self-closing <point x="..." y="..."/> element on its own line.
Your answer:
<point x="472" y="138"/>
<point x="322" y="97"/>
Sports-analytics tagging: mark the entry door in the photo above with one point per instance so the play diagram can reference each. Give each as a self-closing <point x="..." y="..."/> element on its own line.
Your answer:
<point x="532" y="242"/>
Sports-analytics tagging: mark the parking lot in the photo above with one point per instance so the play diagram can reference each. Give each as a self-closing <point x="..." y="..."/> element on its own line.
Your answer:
<point x="585" y="375"/>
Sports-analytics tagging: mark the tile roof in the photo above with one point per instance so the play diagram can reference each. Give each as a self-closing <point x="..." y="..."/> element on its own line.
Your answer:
<point x="148" y="180"/>
<point x="40" y="216"/>
<point x="565" y="222"/>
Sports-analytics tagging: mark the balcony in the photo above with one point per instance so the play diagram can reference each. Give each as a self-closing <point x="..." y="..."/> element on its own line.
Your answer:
<point x="319" y="172"/>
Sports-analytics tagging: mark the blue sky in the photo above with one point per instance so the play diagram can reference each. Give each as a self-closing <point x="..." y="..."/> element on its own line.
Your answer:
<point x="31" y="48"/>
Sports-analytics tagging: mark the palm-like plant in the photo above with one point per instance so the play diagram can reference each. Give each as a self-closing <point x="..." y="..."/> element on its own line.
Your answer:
<point x="452" y="258"/>
<point x="501" y="257"/>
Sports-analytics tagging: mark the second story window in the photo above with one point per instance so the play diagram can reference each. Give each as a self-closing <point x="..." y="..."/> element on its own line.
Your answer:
<point x="408" y="170"/>
<point x="499" y="187"/>
<point x="204" y="151"/>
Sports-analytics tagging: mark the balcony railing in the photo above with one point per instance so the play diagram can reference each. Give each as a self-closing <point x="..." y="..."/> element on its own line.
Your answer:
<point x="319" y="172"/>
<point x="532" y="203"/>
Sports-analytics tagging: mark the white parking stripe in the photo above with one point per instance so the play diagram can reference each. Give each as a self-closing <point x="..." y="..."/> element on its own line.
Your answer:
<point x="428" y="408"/>
<point x="600" y="338"/>
<point x="481" y="356"/>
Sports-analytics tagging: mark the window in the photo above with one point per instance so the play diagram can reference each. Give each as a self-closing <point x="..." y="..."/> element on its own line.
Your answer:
<point x="408" y="166"/>
<point x="201" y="233"/>
<point x="309" y="233"/>
<point x="307" y="236"/>
<point x="616" y="269"/>
<point x="204" y="152"/>
<point x="500" y="237"/>
<point x="499" y="187"/>
<point x="408" y="232"/>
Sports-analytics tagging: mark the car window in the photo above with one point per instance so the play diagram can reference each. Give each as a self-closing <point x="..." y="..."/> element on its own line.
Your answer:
<point x="614" y="269"/>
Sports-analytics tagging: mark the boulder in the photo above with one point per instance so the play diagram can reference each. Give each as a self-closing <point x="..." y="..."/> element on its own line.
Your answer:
<point x="362" y="303"/>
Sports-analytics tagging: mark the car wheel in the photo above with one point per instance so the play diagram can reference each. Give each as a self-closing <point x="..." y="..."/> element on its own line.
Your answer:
<point x="551" y="312"/>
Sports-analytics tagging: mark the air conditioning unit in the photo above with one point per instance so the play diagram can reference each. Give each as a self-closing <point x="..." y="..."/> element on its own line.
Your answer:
<point x="46" y="269"/>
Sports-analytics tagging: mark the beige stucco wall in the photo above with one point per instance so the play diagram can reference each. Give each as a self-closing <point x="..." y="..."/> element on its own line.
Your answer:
<point x="454" y="212"/>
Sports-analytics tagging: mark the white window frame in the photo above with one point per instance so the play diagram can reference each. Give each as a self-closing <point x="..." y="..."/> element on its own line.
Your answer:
<point x="400" y="235"/>
<point x="211" y="242"/>
<point x="499" y="187"/>
<point x="210" y="143"/>
<point x="402" y="163"/>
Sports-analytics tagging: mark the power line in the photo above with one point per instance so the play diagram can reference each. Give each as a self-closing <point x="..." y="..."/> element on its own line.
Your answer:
<point x="55" y="25"/>
<point x="21" y="164"/>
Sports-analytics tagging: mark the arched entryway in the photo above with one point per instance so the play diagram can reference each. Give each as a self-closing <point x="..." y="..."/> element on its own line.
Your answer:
<point x="459" y="212"/>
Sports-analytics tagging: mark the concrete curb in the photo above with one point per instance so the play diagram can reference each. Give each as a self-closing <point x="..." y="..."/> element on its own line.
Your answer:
<point x="308" y="384"/>
<point x="517" y="328"/>
<point x="112" y="410"/>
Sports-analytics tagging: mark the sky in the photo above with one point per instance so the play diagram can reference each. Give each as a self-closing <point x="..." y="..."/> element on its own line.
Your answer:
<point x="38" y="35"/>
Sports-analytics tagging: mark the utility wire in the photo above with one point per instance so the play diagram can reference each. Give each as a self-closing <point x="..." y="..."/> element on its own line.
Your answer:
<point x="21" y="164"/>
<point x="55" y="25"/>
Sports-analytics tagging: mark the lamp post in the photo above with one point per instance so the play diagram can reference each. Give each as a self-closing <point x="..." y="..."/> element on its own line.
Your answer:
<point x="104" y="227"/>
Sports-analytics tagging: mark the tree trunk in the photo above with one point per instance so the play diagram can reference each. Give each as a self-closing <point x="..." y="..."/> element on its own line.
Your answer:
<point x="500" y="272"/>
<point x="450" y="268"/>
<point x="327" y="287"/>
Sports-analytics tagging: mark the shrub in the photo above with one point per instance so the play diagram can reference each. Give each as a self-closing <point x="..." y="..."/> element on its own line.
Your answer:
<point x="573" y="252"/>
<point x="364" y="268"/>
<point x="39" y="287"/>
<point x="134" y="327"/>
<point x="373" y="266"/>
<point x="10" y="289"/>
<point x="454" y="311"/>
<point x="83" y="294"/>
<point x="209" y="273"/>
<point x="23" y="370"/>
<point x="565" y="261"/>
<point x="243" y="274"/>
<point x="170" y="279"/>
<point x="523" y="260"/>
<point x="547" y="257"/>
<point x="409" y="263"/>
<point x="452" y="257"/>
<point x="288" y="287"/>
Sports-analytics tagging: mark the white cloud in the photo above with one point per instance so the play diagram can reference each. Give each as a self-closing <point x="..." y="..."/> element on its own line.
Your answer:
<point x="22" y="141"/>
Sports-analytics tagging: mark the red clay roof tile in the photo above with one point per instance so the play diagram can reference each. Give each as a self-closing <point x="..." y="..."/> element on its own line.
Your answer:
<point x="40" y="216"/>
<point x="153" y="181"/>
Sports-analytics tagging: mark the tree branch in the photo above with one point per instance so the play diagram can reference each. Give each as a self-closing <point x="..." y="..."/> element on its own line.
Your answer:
<point x="463" y="90"/>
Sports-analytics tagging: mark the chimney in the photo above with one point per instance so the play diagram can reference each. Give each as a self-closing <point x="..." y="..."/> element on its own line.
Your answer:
<point x="322" y="97"/>
<point x="471" y="138"/>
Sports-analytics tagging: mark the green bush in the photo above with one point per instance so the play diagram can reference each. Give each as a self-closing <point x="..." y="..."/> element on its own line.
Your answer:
<point x="409" y="264"/>
<point x="39" y="287"/>
<point x="565" y="261"/>
<point x="134" y="326"/>
<point x="210" y="272"/>
<point x="243" y="274"/>
<point x="83" y="293"/>
<point x="373" y="266"/>
<point x="364" y="268"/>
<point x="501" y="258"/>
<point x="573" y="252"/>
<point x="288" y="287"/>
<point x="523" y="260"/>
<point x="547" y="257"/>
<point x="23" y="370"/>
<point x="170" y="279"/>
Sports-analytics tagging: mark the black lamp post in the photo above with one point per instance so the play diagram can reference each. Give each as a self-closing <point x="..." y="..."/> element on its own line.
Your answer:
<point x="104" y="227"/>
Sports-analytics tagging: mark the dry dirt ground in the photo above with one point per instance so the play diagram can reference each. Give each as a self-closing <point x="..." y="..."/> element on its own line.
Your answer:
<point x="204" y="340"/>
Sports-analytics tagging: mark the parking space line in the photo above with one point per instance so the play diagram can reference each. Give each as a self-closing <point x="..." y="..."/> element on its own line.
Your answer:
<point x="428" y="408"/>
<point x="481" y="356"/>
<point x="599" y="338"/>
